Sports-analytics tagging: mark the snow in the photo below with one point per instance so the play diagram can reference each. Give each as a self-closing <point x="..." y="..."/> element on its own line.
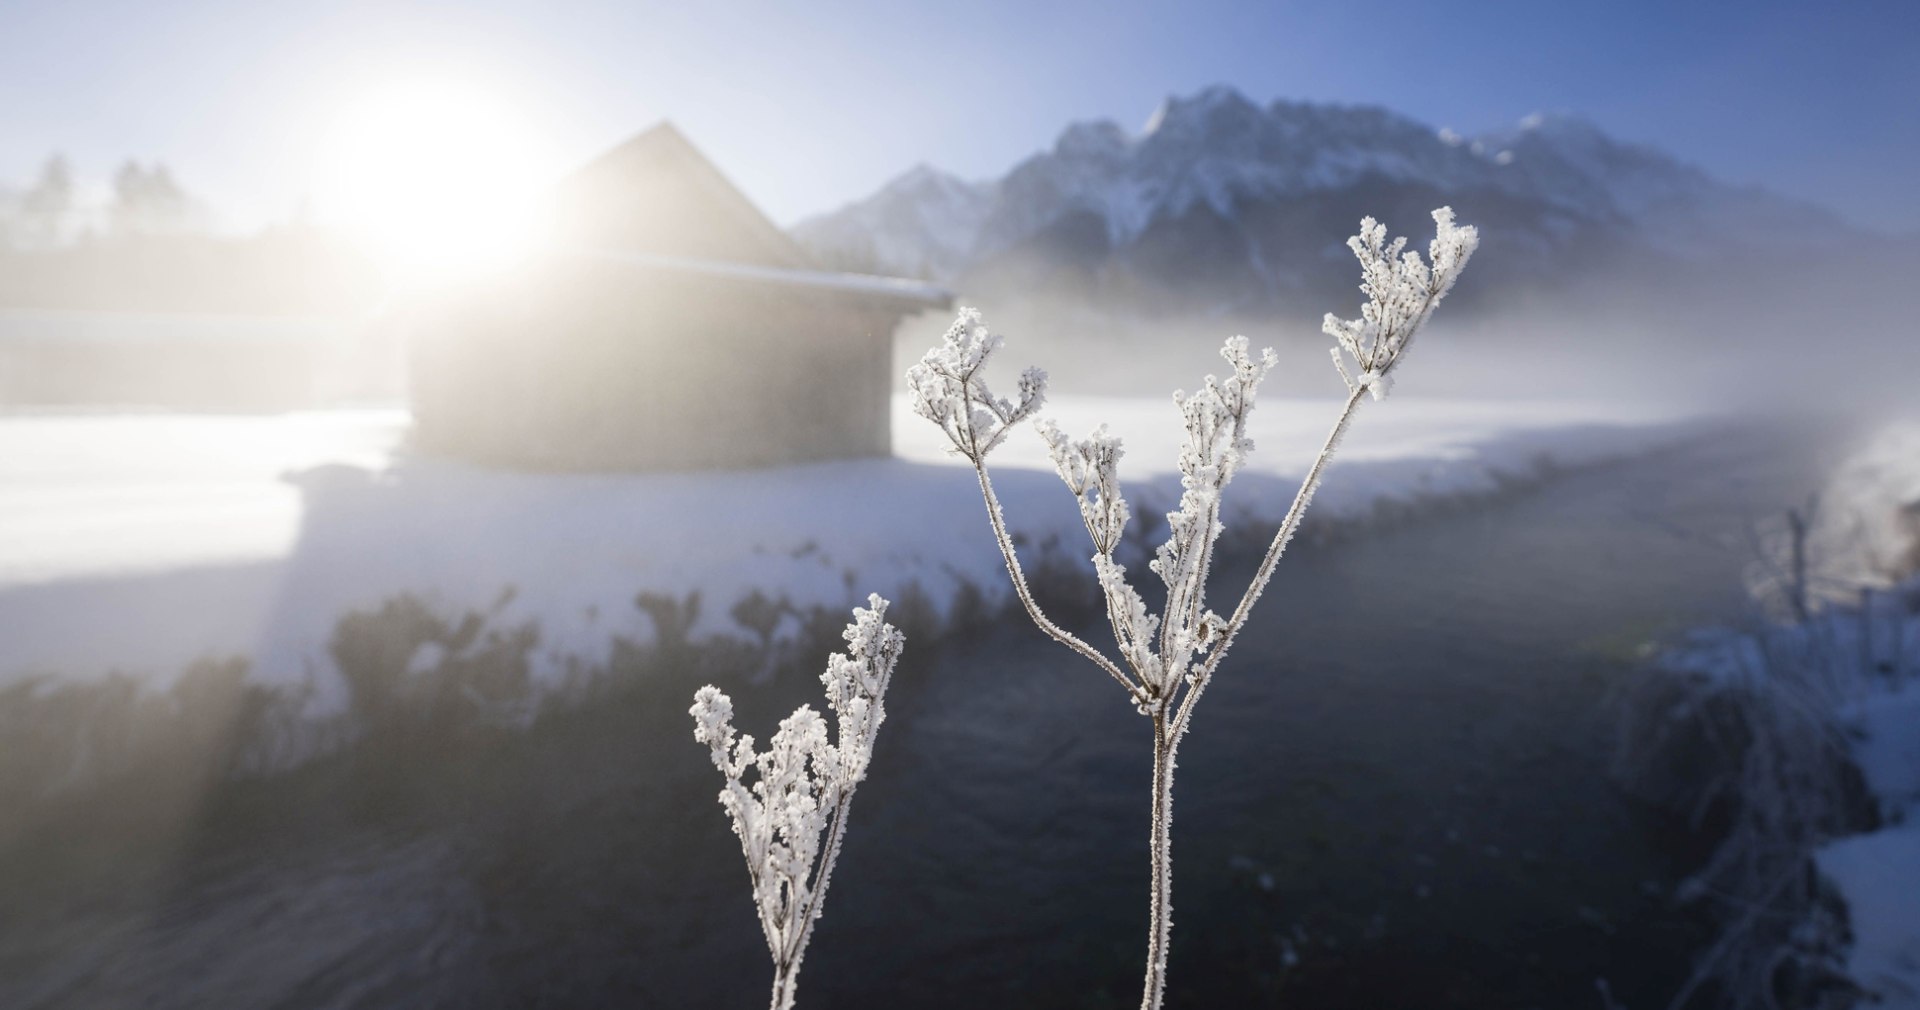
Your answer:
<point x="922" y="224"/>
<point x="1870" y="656"/>
<point x="1879" y="874"/>
<point x="142" y="543"/>
<point x="1872" y="650"/>
<point x="1888" y="749"/>
<point x="85" y="495"/>
<point x="1418" y="439"/>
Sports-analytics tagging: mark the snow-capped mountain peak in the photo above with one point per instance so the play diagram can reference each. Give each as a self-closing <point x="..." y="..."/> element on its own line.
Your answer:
<point x="1217" y="110"/>
<point x="1098" y="139"/>
<point x="1226" y="180"/>
<point x="924" y="223"/>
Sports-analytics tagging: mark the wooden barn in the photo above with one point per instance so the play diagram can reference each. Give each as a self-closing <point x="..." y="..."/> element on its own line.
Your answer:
<point x="672" y="326"/>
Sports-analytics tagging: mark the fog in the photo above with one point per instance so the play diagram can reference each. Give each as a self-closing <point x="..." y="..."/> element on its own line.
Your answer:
<point x="1828" y="332"/>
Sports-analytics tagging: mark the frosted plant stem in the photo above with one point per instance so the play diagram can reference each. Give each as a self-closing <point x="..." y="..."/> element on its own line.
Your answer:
<point x="786" y="972"/>
<point x="1288" y="527"/>
<point x="1019" y="578"/>
<point x="1160" y="852"/>
<point x="801" y="787"/>
<point x="835" y="835"/>
<point x="786" y="982"/>
<point x="1165" y="679"/>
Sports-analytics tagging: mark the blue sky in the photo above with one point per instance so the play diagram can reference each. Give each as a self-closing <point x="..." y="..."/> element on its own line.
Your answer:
<point x="809" y="105"/>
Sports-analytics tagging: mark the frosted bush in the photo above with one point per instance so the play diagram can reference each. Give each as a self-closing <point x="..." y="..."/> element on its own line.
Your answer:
<point x="791" y="819"/>
<point x="1167" y="659"/>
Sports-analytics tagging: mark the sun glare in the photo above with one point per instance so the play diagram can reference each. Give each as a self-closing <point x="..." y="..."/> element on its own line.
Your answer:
<point x="436" y="179"/>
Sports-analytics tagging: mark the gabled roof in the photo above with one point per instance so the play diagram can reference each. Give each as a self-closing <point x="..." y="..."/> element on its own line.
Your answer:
<point x="905" y="295"/>
<point x="658" y="195"/>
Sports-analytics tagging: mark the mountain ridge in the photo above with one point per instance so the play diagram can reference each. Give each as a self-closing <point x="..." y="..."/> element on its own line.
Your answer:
<point x="1219" y="200"/>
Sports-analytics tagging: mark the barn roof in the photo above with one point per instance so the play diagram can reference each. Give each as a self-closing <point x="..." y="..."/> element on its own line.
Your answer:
<point x="905" y="294"/>
<point x="657" y="195"/>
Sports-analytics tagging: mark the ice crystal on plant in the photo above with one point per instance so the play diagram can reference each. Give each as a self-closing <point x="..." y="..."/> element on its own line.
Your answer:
<point x="1216" y="446"/>
<point x="948" y="389"/>
<point x="1402" y="291"/>
<point x="1090" y="468"/>
<point x="796" y="807"/>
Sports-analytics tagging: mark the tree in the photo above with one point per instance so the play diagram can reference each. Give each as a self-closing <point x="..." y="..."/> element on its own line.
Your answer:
<point x="46" y="207"/>
<point x="149" y="202"/>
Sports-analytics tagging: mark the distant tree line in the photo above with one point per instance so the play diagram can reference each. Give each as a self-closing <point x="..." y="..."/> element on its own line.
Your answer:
<point x="149" y="249"/>
<point x="49" y="213"/>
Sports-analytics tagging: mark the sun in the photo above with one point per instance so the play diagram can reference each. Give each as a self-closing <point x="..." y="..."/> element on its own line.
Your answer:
<point x="437" y="179"/>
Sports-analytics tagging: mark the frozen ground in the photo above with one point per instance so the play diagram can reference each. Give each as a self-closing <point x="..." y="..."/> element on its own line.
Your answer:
<point x="139" y="543"/>
<point x="1878" y="874"/>
<point x="1861" y="657"/>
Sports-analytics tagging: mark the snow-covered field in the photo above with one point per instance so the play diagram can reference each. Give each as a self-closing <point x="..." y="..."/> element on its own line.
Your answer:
<point x="140" y="543"/>
<point x="88" y="495"/>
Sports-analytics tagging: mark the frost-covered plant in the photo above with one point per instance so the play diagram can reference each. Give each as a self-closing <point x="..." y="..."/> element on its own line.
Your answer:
<point x="792" y="817"/>
<point x="1167" y="660"/>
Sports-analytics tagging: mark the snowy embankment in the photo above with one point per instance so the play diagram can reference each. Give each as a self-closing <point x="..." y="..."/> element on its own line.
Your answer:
<point x="1836" y="691"/>
<point x="139" y="544"/>
<point x="1878" y="874"/>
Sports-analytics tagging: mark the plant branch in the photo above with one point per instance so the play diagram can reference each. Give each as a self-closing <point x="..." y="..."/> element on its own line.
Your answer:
<point x="786" y="978"/>
<point x="1160" y="854"/>
<point x="1288" y="527"/>
<point x="1020" y="589"/>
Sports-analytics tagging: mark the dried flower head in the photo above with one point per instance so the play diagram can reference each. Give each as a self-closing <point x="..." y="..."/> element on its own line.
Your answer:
<point x="796" y="806"/>
<point x="1402" y="291"/>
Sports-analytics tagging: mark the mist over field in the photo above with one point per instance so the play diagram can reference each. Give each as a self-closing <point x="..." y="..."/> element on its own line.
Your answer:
<point x="1611" y="267"/>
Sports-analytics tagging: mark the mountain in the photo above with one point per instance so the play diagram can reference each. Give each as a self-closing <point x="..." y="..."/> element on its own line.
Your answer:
<point x="1224" y="205"/>
<point x="923" y="224"/>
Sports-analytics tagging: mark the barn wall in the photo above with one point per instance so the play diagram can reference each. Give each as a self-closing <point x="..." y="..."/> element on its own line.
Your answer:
<point x="608" y="368"/>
